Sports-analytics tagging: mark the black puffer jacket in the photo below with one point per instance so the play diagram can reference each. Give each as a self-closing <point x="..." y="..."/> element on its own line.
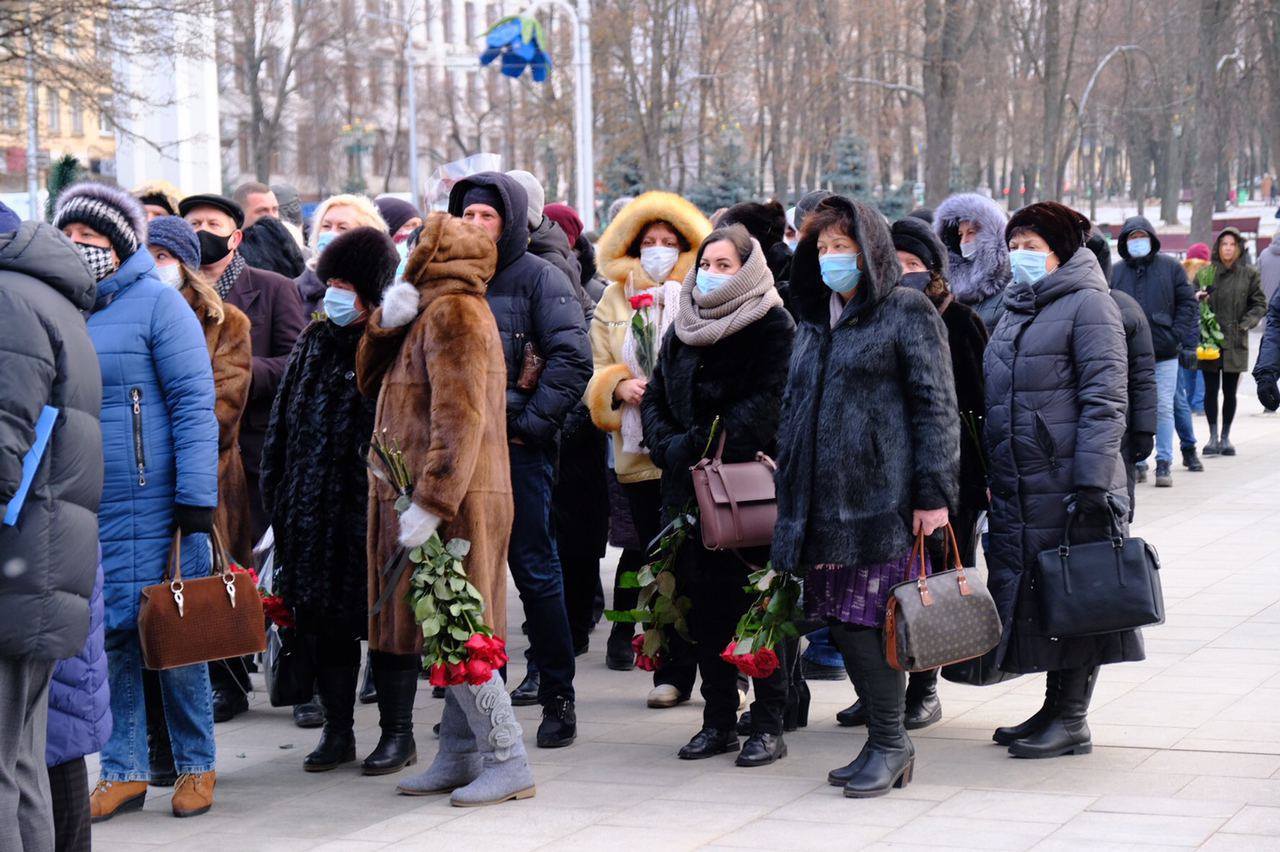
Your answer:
<point x="870" y="430"/>
<point x="47" y="359"/>
<point x="314" y="480"/>
<point x="1159" y="284"/>
<point x="1057" y="396"/>
<point x="1141" y="414"/>
<point x="533" y="303"/>
<point x="1267" y="367"/>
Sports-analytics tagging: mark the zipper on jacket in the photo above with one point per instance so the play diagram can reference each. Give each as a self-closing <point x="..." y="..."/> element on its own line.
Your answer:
<point x="139" y="453"/>
<point x="1047" y="443"/>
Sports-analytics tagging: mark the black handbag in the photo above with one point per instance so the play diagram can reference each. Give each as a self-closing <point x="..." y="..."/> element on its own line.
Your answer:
<point x="1099" y="587"/>
<point x="290" y="667"/>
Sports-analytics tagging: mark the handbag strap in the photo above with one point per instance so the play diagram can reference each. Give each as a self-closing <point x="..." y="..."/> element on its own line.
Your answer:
<point x="922" y="579"/>
<point x="173" y="567"/>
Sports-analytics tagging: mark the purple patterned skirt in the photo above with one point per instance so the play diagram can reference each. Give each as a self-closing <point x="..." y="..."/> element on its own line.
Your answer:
<point x="855" y="594"/>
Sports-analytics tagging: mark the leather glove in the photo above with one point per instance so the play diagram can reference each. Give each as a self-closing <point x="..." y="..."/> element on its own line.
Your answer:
<point x="1140" y="445"/>
<point x="1269" y="394"/>
<point x="1187" y="359"/>
<point x="1090" y="501"/>
<point x="192" y="519"/>
<point x="416" y="526"/>
<point x="399" y="305"/>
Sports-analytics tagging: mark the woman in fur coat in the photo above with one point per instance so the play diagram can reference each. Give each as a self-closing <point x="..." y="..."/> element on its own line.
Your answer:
<point x="314" y="487"/>
<point x="646" y="251"/>
<point x="971" y="226"/>
<point x="726" y="357"/>
<point x="870" y="448"/>
<point x="433" y="358"/>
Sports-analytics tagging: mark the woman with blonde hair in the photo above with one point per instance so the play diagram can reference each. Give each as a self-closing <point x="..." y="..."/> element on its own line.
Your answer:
<point x="335" y="215"/>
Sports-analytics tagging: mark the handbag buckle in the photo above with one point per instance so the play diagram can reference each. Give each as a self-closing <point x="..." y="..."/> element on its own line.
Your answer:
<point x="1117" y="543"/>
<point x="229" y="581"/>
<point x="1064" y="551"/>
<point x="176" y="587"/>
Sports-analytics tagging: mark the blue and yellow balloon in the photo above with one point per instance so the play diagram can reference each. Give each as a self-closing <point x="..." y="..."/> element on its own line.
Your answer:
<point x="518" y="42"/>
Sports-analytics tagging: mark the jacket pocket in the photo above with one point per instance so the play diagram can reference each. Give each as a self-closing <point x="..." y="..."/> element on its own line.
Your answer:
<point x="139" y="449"/>
<point x="1045" y="438"/>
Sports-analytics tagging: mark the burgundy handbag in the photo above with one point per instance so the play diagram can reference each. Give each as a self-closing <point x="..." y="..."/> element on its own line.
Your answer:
<point x="737" y="504"/>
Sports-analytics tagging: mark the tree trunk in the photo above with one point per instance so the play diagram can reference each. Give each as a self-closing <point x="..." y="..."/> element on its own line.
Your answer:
<point x="942" y="35"/>
<point x="1204" y="175"/>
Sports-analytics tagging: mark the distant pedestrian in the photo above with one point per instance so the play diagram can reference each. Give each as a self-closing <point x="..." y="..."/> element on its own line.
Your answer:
<point x="971" y="226"/>
<point x="1266" y="371"/>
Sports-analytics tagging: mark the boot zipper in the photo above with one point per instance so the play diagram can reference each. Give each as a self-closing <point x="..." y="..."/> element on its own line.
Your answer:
<point x="139" y="454"/>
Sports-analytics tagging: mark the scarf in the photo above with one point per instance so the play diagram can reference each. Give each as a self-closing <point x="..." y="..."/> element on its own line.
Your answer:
<point x="707" y="318"/>
<point x="229" y="275"/>
<point x="666" y="302"/>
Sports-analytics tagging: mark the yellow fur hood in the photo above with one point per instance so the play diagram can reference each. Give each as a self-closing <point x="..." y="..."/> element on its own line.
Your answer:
<point x="629" y="224"/>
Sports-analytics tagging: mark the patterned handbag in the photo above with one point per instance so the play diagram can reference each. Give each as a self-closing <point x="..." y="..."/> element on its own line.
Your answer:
<point x="936" y="620"/>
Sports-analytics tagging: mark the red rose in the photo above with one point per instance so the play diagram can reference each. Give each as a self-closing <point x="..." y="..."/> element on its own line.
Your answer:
<point x="766" y="662"/>
<point x="643" y="661"/>
<point x="237" y="568"/>
<point x="478" y="672"/>
<point x="437" y="676"/>
<point x="275" y="609"/>
<point x="455" y="673"/>
<point x="727" y="654"/>
<point x="641" y="300"/>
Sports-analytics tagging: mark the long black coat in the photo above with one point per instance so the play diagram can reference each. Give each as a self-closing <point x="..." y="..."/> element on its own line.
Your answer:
<point x="1057" y="397"/>
<point x="870" y="430"/>
<point x="1141" y="414"/>
<point x="967" y="338"/>
<point x="314" y="480"/>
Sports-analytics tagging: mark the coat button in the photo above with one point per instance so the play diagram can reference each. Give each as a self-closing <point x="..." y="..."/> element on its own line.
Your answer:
<point x="350" y="375"/>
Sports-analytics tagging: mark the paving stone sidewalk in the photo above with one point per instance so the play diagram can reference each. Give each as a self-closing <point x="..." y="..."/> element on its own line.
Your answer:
<point x="1187" y="743"/>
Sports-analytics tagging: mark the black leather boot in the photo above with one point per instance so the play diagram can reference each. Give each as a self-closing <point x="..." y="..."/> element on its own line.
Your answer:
<point x="1068" y="732"/>
<point x="889" y="758"/>
<point x="618" y="653"/>
<point x="368" y="692"/>
<point x="761" y="749"/>
<point x="852" y="716"/>
<point x="923" y="706"/>
<point x="337" y="685"/>
<point x="396" y="687"/>
<point x="309" y="714"/>
<point x="1008" y="735"/>
<point x="526" y="694"/>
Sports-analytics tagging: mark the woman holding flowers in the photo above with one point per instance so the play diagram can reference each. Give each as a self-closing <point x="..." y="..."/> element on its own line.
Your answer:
<point x="646" y="252"/>
<point x="870" y="448"/>
<point x="432" y="356"/>
<point x="725" y="362"/>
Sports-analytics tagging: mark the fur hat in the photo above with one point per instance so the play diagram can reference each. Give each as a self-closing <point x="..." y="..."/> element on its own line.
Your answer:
<point x="914" y="236"/>
<point x="1198" y="251"/>
<point x="174" y="235"/>
<point x="537" y="196"/>
<point x="922" y="213"/>
<point x="111" y="212"/>
<point x="1061" y="227"/>
<point x="268" y="244"/>
<point x="395" y="212"/>
<point x="766" y="222"/>
<point x="161" y="193"/>
<point x="365" y="258"/>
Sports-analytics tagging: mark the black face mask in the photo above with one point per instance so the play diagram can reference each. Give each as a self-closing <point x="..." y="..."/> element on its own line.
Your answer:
<point x="917" y="280"/>
<point x="213" y="248"/>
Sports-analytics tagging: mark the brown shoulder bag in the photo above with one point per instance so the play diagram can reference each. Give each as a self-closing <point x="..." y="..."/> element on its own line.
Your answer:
<point x="737" y="505"/>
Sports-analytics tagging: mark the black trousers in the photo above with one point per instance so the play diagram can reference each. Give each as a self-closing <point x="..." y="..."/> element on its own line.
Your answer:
<point x="69" y="792"/>
<point x="1228" y="382"/>
<point x="581" y="580"/>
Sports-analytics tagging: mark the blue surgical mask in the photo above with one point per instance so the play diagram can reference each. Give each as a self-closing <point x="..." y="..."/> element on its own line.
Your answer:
<point x="324" y="238"/>
<point x="1139" y="247"/>
<point x="792" y="243"/>
<point x="1028" y="266"/>
<point x="840" y="272"/>
<point x="969" y="249"/>
<point x="400" y="268"/>
<point x="340" y="306"/>
<point x="709" y="281"/>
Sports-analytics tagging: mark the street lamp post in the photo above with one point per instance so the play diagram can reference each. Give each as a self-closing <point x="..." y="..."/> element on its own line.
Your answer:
<point x="359" y="136"/>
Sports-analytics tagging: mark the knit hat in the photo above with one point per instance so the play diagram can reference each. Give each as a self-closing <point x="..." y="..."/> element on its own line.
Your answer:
<point x="483" y="194"/>
<point x="111" y="212"/>
<point x="916" y="236"/>
<point x="533" y="189"/>
<point x="395" y="212"/>
<point x="290" y="203"/>
<point x="567" y="218"/>
<point x="365" y="258"/>
<point x="9" y="221"/>
<point x="1057" y="224"/>
<point x="618" y="203"/>
<point x="219" y="202"/>
<point x="174" y="235"/>
<point x="767" y="223"/>
<point x="1198" y="251"/>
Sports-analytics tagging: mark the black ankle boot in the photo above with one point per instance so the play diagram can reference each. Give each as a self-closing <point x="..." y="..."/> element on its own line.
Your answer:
<point x="396" y="690"/>
<point x="889" y="758"/>
<point x="1039" y="720"/>
<point x="526" y="694"/>
<point x="761" y="749"/>
<point x="337" y="685"/>
<point x="1068" y="733"/>
<point x="923" y="706"/>
<point x="853" y="716"/>
<point x="618" y="653"/>
<point x="708" y="743"/>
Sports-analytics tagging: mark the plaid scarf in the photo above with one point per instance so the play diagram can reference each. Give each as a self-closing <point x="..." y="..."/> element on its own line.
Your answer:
<point x="229" y="275"/>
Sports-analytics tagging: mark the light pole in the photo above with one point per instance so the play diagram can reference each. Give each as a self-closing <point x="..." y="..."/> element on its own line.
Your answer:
<point x="359" y="136"/>
<point x="33" y="133"/>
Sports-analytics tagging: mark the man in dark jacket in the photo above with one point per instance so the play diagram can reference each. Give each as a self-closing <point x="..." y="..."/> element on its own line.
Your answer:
<point x="1266" y="370"/>
<point x="50" y="523"/>
<point x="548" y="355"/>
<point x="276" y="319"/>
<point x="546" y="239"/>
<point x="1160" y="286"/>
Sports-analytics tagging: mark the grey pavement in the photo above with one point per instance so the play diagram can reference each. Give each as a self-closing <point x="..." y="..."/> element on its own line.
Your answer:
<point x="1187" y="743"/>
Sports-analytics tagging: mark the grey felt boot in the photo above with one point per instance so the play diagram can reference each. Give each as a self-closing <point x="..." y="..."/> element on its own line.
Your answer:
<point x="457" y="763"/>
<point x="499" y="740"/>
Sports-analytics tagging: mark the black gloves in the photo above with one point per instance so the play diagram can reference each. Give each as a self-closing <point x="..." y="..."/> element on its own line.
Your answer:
<point x="192" y="519"/>
<point x="1187" y="359"/>
<point x="1141" y="445"/>
<point x="1091" y="501"/>
<point x="1268" y="394"/>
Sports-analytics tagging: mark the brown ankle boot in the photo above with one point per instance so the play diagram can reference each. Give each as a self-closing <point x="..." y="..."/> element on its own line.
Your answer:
<point x="113" y="797"/>
<point x="193" y="794"/>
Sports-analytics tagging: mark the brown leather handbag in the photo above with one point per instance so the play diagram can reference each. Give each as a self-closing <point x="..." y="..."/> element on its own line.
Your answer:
<point x="941" y="619"/>
<point x="182" y="622"/>
<point x="737" y="505"/>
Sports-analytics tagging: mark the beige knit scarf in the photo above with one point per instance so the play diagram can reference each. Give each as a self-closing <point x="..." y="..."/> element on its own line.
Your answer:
<point x="706" y="318"/>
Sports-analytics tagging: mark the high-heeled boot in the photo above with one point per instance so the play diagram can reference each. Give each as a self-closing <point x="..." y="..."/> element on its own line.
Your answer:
<point x="888" y="758"/>
<point x="457" y="762"/>
<point x="505" y="772"/>
<point x="1068" y="732"/>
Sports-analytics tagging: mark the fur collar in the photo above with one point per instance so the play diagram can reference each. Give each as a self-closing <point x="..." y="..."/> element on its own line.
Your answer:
<point x="611" y="252"/>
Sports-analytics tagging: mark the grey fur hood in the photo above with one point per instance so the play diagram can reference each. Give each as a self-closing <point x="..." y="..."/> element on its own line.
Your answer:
<point x="987" y="272"/>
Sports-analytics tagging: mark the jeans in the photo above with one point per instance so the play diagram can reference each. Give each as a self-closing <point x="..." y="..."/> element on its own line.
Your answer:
<point x="26" y="816"/>
<point x="535" y="567"/>
<point x="1166" y="391"/>
<point x="1182" y="407"/>
<point x="821" y="650"/>
<point x="1195" y="392"/>
<point x="188" y="713"/>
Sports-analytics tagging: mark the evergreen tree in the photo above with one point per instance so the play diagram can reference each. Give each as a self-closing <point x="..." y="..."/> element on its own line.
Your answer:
<point x="848" y="174"/>
<point x="728" y="180"/>
<point x="622" y="176"/>
<point x="63" y="173"/>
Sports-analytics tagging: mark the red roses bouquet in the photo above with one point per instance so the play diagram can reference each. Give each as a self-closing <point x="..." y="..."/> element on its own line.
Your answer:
<point x="768" y="620"/>
<point x="273" y="606"/>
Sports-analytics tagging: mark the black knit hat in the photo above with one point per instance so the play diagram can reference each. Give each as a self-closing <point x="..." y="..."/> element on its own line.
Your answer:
<point x="1057" y="224"/>
<point x="115" y="214"/>
<point x="766" y="222"/>
<point x="916" y="236"/>
<point x="365" y="258"/>
<point x="395" y="212"/>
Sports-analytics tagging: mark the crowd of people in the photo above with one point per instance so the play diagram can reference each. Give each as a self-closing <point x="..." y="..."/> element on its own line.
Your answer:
<point x="218" y="368"/>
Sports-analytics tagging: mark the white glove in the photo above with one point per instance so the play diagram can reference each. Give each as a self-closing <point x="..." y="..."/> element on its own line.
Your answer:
<point x="399" y="305"/>
<point x="416" y="526"/>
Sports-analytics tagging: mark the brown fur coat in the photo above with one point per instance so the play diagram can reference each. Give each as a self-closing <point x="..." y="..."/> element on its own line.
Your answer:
<point x="232" y="358"/>
<point x="441" y="387"/>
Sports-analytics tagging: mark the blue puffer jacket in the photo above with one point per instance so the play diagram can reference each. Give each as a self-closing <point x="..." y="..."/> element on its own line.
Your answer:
<point x="79" y="697"/>
<point x="159" y="433"/>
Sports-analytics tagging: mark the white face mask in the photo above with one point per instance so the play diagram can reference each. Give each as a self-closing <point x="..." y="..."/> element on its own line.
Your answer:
<point x="171" y="274"/>
<point x="968" y="249"/>
<point x="658" y="261"/>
